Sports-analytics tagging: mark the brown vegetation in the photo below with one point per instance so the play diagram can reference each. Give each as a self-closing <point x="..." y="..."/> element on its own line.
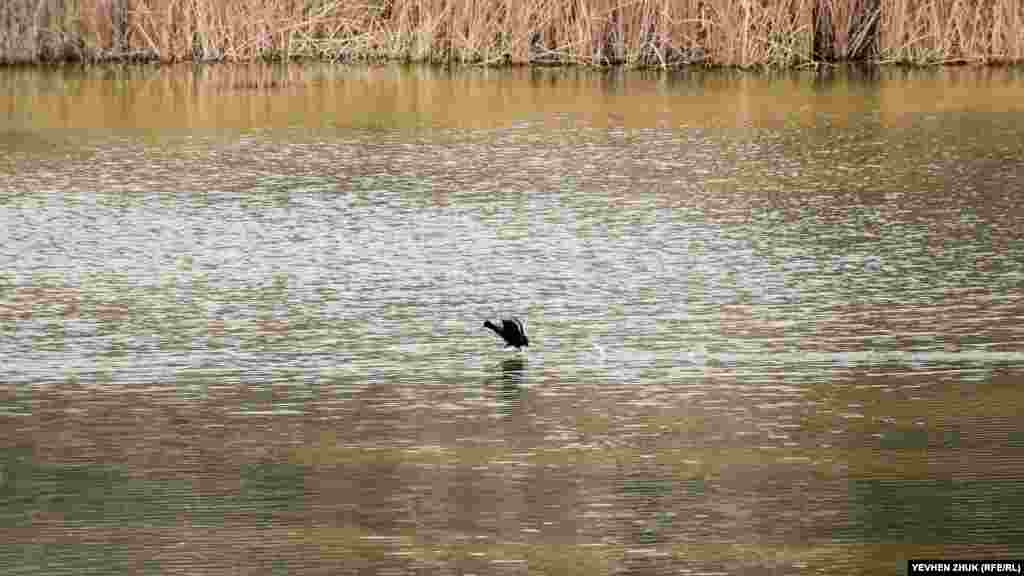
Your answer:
<point x="657" y="33"/>
<point x="951" y="31"/>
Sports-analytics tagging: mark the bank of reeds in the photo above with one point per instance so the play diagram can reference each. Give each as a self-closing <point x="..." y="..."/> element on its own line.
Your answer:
<point x="658" y="33"/>
<point x="951" y="31"/>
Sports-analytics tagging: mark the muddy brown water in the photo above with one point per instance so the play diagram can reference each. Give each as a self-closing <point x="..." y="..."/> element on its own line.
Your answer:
<point x="775" y="320"/>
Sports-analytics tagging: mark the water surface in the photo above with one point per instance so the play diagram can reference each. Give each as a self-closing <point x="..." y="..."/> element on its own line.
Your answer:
<point x="775" y="320"/>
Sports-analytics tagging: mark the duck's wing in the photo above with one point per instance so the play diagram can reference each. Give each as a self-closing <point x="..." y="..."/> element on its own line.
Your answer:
<point x="515" y="328"/>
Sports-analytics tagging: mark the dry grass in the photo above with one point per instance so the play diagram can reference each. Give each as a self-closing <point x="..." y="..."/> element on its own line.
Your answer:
<point x="847" y="29"/>
<point x="652" y="33"/>
<point x="951" y="31"/>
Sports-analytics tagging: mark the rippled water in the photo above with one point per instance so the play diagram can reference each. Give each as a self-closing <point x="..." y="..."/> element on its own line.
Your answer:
<point x="781" y="342"/>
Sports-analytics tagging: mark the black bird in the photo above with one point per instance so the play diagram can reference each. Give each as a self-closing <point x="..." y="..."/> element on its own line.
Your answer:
<point x="512" y="330"/>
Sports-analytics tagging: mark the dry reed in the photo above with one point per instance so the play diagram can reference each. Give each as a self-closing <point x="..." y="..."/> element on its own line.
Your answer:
<point x="657" y="33"/>
<point x="846" y="29"/>
<point x="951" y="31"/>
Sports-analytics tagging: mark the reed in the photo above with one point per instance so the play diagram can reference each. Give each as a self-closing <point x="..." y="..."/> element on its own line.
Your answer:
<point x="951" y="31"/>
<point x="32" y="30"/>
<point x="846" y="29"/>
<point x="635" y="33"/>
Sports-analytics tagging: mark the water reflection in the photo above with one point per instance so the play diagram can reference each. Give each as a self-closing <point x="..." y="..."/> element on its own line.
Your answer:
<point x="513" y="373"/>
<point x="759" y="328"/>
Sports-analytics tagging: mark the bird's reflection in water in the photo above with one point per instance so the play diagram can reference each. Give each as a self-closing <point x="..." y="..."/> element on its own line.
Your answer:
<point x="513" y="379"/>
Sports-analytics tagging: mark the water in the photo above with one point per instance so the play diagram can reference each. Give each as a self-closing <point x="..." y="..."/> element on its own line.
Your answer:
<point x="775" y="322"/>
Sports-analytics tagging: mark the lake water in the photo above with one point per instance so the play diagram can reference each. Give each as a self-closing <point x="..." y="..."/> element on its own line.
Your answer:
<point x="776" y="321"/>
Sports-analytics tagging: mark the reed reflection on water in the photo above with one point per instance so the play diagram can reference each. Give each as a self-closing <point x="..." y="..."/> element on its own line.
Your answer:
<point x="750" y="349"/>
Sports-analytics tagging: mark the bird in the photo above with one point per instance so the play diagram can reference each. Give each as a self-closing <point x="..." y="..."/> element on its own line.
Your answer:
<point x="512" y="330"/>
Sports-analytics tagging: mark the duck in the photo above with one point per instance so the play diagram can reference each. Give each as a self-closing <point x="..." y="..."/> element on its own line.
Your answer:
<point x="512" y="330"/>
